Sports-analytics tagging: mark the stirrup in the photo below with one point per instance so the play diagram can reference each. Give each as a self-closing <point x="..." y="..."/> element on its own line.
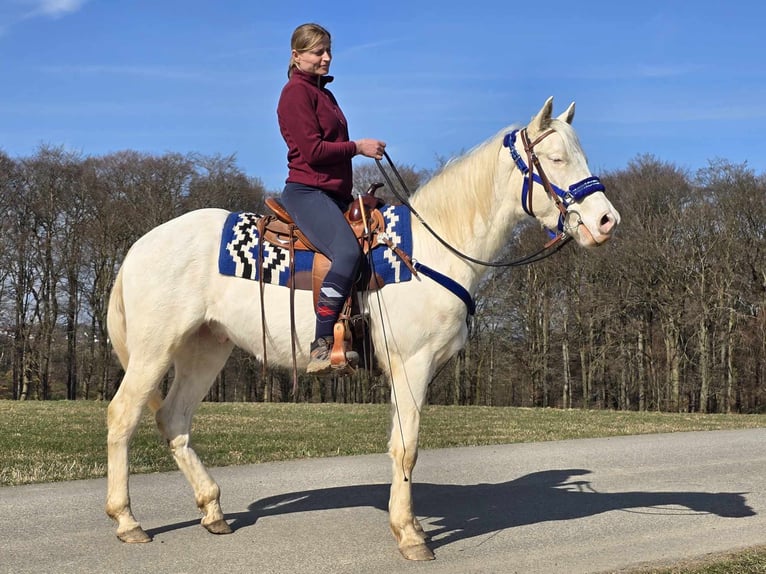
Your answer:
<point x="341" y="352"/>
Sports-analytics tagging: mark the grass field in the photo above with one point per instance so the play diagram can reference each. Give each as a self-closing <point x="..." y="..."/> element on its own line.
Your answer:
<point x="59" y="440"/>
<point x="751" y="561"/>
<point x="54" y="441"/>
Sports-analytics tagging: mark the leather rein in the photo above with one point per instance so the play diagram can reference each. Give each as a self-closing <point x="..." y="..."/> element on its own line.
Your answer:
<point x="563" y="199"/>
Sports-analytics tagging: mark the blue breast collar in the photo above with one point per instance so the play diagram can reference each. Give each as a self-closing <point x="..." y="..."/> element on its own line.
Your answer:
<point x="448" y="283"/>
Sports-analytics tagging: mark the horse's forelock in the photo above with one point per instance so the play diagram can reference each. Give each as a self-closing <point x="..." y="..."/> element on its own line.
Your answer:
<point x="569" y="137"/>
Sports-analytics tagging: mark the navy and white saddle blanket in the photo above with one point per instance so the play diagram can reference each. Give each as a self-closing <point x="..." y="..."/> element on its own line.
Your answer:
<point x="238" y="255"/>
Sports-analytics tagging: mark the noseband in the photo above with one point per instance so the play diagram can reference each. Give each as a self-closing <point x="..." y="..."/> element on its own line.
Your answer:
<point x="562" y="198"/>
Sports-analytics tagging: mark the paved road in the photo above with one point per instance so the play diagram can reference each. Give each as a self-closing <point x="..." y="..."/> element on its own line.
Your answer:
<point x="570" y="507"/>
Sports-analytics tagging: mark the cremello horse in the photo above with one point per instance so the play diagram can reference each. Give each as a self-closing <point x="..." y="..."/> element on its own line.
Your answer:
<point x="170" y="307"/>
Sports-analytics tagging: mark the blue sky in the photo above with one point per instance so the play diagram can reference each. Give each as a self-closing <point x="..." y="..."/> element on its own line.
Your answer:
<point x="682" y="80"/>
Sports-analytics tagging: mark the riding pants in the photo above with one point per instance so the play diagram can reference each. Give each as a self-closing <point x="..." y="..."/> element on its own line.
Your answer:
<point x="320" y="218"/>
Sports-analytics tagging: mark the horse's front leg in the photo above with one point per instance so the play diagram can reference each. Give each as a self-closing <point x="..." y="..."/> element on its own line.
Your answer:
<point x="408" y="399"/>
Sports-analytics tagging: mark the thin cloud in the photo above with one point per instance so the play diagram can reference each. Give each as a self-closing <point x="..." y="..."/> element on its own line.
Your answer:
<point x="137" y="71"/>
<point x="363" y="48"/>
<point x="672" y="114"/>
<point x="632" y="72"/>
<point x="665" y="71"/>
<point x="14" y="13"/>
<point x="53" y="8"/>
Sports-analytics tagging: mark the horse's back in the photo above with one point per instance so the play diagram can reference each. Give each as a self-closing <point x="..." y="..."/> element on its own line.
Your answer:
<point x="167" y="272"/>
<point x="182" y="229"/>
<point x="190" y="235"/>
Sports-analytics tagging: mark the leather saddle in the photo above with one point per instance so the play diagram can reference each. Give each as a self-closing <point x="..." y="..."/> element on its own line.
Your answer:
<point x="369" y="226"/>
<point x="365" y="219"/>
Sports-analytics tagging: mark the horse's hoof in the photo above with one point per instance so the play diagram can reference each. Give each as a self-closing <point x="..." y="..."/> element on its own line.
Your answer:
<point x="419" y="552"/>
<point x="218" y="527"/>
<point x="134" y="536"/>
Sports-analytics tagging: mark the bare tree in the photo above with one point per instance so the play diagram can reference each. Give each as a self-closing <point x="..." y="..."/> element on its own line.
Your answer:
<point x="218" y="182"/>
<point x="369" y="173"/>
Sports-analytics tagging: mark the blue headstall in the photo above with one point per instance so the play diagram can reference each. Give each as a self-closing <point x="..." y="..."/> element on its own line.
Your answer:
<point x="563" y="198"/>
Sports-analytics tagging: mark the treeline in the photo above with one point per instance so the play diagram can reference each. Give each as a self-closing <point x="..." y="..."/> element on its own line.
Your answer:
<point x="667" y="316"/>
<point x="67" y="223"/>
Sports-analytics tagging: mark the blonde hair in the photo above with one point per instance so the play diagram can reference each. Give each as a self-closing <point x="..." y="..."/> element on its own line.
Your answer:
<point x="304" y="38"/>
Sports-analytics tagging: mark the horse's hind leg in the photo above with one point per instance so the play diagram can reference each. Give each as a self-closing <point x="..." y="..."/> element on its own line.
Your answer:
<point x="138" y="387"/>
<point x="197" y="363"/>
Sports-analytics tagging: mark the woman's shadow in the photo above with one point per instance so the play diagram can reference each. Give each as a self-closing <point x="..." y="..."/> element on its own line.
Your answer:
<point x="456" y="512"/>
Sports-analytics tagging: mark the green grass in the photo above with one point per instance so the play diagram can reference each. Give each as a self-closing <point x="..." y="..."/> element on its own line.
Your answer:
<point x="53" y="441"/>
<point x="751" y="561"/>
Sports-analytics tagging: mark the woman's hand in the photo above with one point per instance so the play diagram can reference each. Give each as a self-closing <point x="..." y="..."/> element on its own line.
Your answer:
<point x="370" y="148"/>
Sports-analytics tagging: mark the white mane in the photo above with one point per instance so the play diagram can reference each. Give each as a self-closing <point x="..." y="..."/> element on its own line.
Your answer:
<point x="461" y="191"/>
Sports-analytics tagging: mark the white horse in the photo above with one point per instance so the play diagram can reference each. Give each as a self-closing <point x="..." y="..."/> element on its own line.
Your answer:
<point x="170" y="307"/>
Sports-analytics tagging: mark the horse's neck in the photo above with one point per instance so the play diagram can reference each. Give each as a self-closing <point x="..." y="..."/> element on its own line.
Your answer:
<point x="470" y="204"/>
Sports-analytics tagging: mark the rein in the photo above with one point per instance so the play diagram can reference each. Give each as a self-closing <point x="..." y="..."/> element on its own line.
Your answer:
<point x="563" y="199"/>
<point x="551" y="247"/>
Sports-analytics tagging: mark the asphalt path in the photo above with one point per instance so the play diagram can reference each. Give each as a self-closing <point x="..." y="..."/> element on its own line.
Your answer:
<point x="579" y="506"/>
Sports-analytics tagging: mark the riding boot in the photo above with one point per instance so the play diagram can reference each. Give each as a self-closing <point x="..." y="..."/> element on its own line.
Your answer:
<point x="319" y="362"/>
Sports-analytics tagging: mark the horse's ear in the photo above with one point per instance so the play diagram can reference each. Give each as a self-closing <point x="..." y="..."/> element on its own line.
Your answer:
<point x="568" y="115"/>
<point x="543" y="117"/>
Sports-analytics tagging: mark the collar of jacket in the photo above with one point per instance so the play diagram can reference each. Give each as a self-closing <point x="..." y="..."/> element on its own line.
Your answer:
<point x="320" y="81"/>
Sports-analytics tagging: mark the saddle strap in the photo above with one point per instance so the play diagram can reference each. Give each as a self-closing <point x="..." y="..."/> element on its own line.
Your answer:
<point x="406" y="259"/>
<point x="292" y="315"/>
<point x="261" y="226"/>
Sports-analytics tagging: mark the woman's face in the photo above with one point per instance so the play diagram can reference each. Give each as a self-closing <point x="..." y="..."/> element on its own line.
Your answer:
<point x="316" y="60"/>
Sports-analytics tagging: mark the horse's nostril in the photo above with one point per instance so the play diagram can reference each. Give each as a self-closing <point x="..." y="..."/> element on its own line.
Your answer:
<point x="607" y="223"/>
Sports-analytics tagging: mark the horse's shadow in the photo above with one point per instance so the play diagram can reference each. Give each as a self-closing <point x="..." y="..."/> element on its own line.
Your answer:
<point x="456" y="512"/>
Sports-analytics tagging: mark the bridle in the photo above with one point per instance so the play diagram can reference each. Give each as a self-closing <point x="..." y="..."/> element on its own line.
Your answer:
<point x="563" y="199"/>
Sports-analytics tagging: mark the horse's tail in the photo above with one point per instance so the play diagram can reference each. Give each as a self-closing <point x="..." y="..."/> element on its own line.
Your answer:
<point x="115" y="322"/>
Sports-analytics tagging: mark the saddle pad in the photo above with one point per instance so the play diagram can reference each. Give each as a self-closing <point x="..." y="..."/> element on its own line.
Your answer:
<point x="238" y="255"/>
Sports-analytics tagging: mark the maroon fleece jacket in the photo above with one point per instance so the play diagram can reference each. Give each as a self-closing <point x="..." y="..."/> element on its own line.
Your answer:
<point x="316" y="133"/>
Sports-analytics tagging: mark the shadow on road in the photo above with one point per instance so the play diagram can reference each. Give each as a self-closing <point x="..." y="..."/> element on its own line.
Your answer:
<point x="456" y="512"/>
